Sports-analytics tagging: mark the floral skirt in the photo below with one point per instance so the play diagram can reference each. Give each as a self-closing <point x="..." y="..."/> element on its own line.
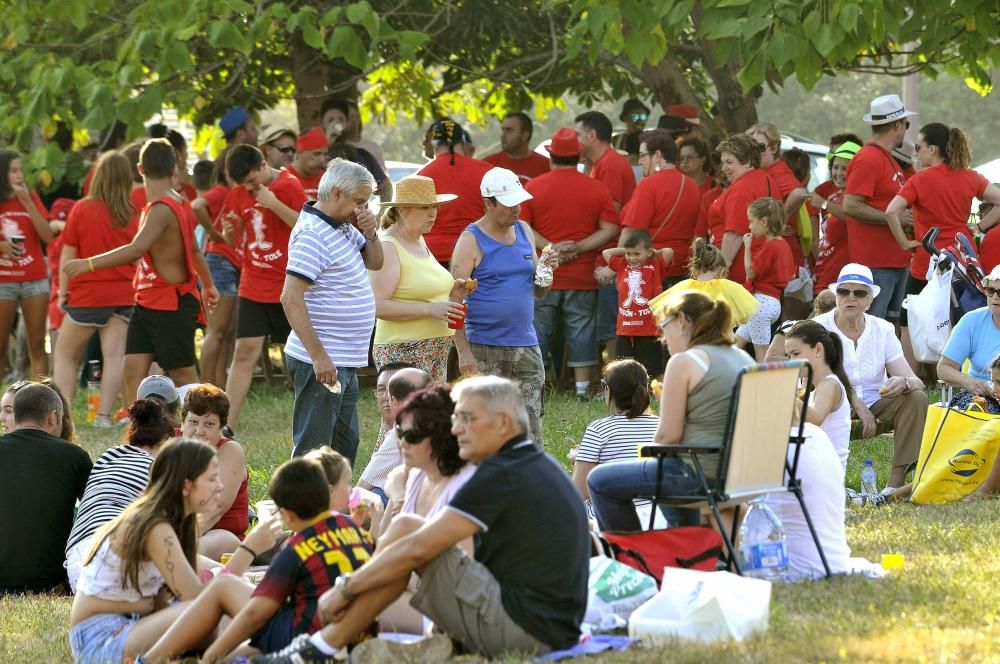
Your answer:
<point x="431" y="355"/>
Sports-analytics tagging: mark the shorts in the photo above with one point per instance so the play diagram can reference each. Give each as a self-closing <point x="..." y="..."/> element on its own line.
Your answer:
<point x="97" y="316"/>
<point x="276" y="633"/>
<point x="100" y="639"/>
<point x="757" y="330"/>
<point x="166" y="335"/>
<point x="462" y="597"/>
<point x="262" y="319"/>
<point x="20" y="290"/>
<point x="892" y="281"/>
<point x="74" y="561"/>
<point x="225" y="275"/>
<point x="574" y="312"/>
<point x="607" y="313"/>
<point x="913" y="287"/>
<point x="524" y="366"/>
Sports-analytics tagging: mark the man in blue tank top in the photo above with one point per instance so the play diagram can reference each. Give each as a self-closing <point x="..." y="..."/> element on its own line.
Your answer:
<point x="499" y="250"/>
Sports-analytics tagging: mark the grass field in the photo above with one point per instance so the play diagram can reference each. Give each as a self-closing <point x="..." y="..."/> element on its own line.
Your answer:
<point x="942" y="607"/>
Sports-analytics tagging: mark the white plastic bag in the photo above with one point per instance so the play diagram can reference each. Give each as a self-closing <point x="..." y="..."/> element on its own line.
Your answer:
<point x="707" y="606"/>
<point x="801" y="286"/>
<point x="929" y="314"/>
<point x="615" y="590"/>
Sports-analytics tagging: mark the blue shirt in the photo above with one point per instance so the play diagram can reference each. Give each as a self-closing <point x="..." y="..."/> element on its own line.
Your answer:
<point x="326" y="253"/>
<point x="977" y="339"/>
<point x="502" y="308"/>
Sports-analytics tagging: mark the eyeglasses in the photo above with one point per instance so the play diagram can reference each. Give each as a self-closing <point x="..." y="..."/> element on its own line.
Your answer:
<point x="18" y="385"/>
<point x="412" y="436"/>
<point x="858" y="293"/>
<point x="639" y="117"/>
<point x="463" y="418"/>
<point x="666" y="321"/>
<point x="990" y="292"/>
<point x="284" y="149"/>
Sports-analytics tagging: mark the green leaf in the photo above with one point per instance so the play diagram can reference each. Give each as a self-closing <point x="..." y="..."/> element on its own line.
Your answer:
<point x="826" y="39"/>
<point x="223" y="34"/>
<point x="187" y="32"/>
<point x="753" y="71"/>
<point x="344" y="43"/>
<point x="811" y="23"/>
<point x="312" y="36"/>
<point x="76" y="11"/>
<point x="848" y="17"/>
<point x="177" y="56"/>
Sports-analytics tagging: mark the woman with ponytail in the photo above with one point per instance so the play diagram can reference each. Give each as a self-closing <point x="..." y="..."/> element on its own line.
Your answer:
<point x="625" y="388"/>
<point x="940" y="195"/>
<point x="830" y="394"/>
<point x="697" y="387"/>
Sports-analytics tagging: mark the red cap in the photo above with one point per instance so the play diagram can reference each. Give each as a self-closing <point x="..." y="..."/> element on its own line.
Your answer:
<point x="60" y="208"/>
<point x="685" y="111"/>
<point x="564" y="143"/>
<point x="314" y="139"/>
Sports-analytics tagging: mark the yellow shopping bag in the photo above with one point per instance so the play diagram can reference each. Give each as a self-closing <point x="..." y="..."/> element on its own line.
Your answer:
<point x="956" y="453"/>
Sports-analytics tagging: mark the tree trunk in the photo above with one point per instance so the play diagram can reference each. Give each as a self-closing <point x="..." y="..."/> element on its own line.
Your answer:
<point x="738" y="110"/>
<point x="317" y="78"/>
<point x="670" y="86"/>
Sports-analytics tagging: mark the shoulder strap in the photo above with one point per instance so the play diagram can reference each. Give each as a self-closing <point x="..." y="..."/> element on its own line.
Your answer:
<point x="680" y="190"/>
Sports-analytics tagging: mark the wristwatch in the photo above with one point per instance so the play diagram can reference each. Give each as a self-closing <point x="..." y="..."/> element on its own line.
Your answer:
<point x="341" y="585"/>
<point x="906" y="384"/>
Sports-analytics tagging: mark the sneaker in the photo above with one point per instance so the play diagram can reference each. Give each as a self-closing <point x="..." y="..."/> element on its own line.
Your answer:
<point x="102" y="422"/>
<point x="121" y="416"/>
<point x="882" y="497"/>
<point x="853" y="497"/>
<point x="430" y="650"/>
<point x="300" y="651"/>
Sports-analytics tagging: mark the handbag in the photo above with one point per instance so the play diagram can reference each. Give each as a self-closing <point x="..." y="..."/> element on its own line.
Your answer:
<point x="956" y="453"/>
<point x="690" y="547"/>
<point x="929" y="314"/>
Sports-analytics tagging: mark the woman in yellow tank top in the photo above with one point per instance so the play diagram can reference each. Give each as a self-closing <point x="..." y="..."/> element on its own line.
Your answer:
<point x="415" y="297"/>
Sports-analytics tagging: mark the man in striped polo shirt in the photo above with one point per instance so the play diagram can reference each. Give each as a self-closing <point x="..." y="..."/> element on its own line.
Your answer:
<point x="331" y="308"/>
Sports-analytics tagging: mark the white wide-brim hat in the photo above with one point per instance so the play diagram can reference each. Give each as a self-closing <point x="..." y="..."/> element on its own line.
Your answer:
<point x="886" y="109"/>
<point x="856" y="273"/>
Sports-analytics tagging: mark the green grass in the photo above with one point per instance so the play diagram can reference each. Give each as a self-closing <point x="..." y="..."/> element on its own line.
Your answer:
<point x="942" y="607"/>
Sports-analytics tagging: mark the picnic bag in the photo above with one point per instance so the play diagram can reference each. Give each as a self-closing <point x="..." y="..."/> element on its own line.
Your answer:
<point x="956" y="453"/>
<point x="692" y="547"/>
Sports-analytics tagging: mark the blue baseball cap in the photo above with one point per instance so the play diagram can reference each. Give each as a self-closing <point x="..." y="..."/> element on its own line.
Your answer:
<point x="234" y="118"/>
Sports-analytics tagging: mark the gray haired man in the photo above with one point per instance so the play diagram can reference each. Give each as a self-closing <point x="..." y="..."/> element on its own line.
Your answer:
<point x="331" y="308"/>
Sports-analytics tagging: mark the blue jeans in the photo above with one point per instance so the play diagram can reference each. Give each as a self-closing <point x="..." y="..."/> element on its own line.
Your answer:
<point x="613" y="486"/>
<point x="889" y="302"/>
<point x="320" y="417"/>
<point x="575" y="312"/>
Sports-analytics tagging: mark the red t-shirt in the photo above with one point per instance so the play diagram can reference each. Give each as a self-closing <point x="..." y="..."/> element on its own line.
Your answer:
<point x="733" y="204"/>
<point x="989" y="250"/>
<point x="152" y="291"/>
<point x="874" y="175"/>
<point x="652" y="202"/>
<point x="265" y="237"/>
<point x="710" y="222"/>
<point x="138" y="196"/>
<point x="940" y="197"/>
<point x="54" y="252"/>
<point x="615" y="171"/>
<point x="188" y="191"/>
<point x="215" y="201"/>
<point x="636" y="287"/>
<point x="15" y="220"/>
<point x="832" y="254"/>
<point x="782" y="176"/>
<point x="559" y="217"/>
<point x="309" y="183"/>
<point x="462" y="179"/>
<point x="707" y="185"/>
<point x="89" y="230"/>
<point x="530" y="167"/>
<point x="772" y="260"/>
<point x="826" y="189"/>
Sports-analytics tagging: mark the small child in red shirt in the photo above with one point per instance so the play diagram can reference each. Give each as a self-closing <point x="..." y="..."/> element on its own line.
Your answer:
<point x="639" y="269"/>
<point x="769" y="267"/>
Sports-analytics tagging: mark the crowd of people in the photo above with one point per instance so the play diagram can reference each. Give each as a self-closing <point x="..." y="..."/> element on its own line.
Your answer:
<point x="665" y="265"/>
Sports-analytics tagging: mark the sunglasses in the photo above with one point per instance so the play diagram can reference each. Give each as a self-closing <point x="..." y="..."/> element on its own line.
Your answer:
<point x="412" y="436"/>
<point x="990" y="292"/>
<point x="284" y="149"/>
<point x="639" y="117"/>
<point x="18" y="385"/>
<point x="604" y="384"/>
<point x="858" y="293"/>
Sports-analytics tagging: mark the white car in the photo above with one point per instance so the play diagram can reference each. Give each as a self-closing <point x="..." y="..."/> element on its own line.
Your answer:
<point x="396" y="170"/>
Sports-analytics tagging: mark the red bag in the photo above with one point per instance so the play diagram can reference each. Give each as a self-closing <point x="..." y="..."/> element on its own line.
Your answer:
<point x="692" y="547"/>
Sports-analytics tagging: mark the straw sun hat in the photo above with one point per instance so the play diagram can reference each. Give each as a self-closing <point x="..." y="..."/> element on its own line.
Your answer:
<point x="416" y="191"/>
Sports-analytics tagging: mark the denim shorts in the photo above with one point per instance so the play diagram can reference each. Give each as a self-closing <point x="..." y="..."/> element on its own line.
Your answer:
<point x="607" y="312"/>
<point x="97" y="316"/>
<point x="100" y="639"/>
<point x="225" y="275"/>
<point x="574" y="311"/>
<point x="20" y="290"/>
<point x="892" y="281"/>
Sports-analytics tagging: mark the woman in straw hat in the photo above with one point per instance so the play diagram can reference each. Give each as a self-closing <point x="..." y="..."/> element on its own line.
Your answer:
<point x="418" y="304"/>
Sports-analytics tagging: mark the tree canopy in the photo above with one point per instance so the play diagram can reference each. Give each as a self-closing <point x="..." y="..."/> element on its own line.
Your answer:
<point x="89" y="62"/>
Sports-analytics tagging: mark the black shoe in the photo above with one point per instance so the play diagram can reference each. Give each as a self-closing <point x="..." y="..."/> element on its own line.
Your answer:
<point x="300" y="651"/>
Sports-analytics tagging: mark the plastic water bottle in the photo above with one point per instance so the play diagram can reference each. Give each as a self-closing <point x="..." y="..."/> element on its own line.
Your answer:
<point x="869" y="485"/>
<point x="93" y="390"/>
<point x="763" y="546"/>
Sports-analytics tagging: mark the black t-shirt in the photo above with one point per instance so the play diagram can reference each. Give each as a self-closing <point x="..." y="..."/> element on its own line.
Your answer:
<point x="533" y="539"/>
<point x="41" y="477"/>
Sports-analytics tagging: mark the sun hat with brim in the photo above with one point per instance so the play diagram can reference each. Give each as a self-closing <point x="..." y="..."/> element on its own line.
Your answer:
<point x="844" y="151"/>
<point x="994" y="274"/>
<point x="886" y="109"/>
<point x="416" y="191"/>
<point x="905" y="152"/>
<point x="856" y="273"/>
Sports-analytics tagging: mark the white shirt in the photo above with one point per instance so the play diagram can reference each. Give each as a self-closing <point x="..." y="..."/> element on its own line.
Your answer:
<point x="383" y="460"/>
<point x="837" y="425"/>
<point x="865" y="363"/>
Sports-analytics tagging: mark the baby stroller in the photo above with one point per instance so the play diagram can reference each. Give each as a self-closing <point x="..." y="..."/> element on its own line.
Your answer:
<point x="966" y="277"/>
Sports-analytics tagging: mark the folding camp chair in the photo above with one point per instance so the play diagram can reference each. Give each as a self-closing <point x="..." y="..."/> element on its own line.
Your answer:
<point x="753" y="458"/>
